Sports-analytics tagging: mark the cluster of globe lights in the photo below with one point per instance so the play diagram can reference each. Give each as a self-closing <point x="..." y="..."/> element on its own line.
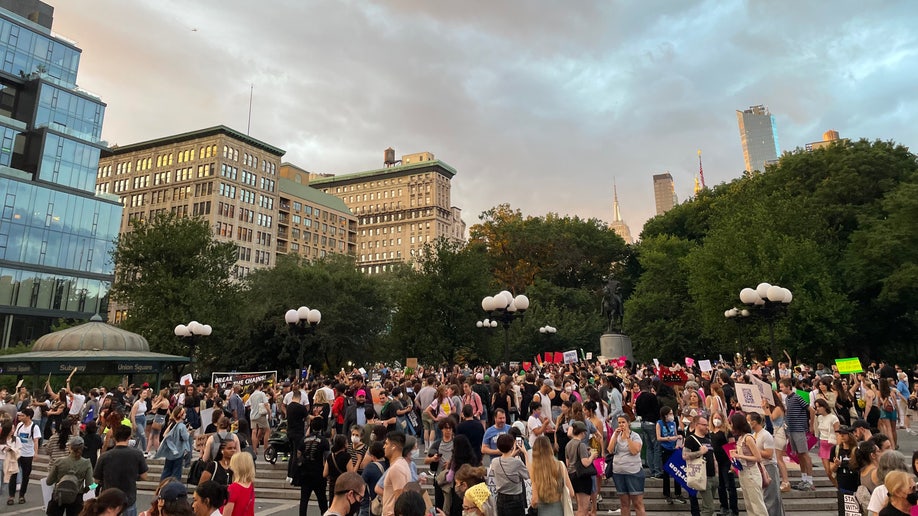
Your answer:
<point x="193" y="328"/>
<point x="550" y="330"/>
<point x="303" y="313"/>
<point x="759" y="296"/>
<point x="505" y="302"/>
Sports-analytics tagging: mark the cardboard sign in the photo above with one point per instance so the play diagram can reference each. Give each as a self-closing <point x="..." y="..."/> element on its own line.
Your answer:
<point x="705" y="365"/>
<point x="750" y="398"/>
<point x="527" y="366"/>
<point x="558" y="358"/>
<point x="675" y="466"/>
<point x="804" y="394"/>
<point x="764" y="389"/>
<point x="849" y="365"/>
<point x="411" y="362"/>
<point x="570" y="357"/>
<point x="589" y="355"/>
<point x="186" y="380"/>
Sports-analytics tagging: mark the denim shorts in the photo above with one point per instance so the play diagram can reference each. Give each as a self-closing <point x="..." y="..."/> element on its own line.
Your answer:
<point x="629" y="483"/>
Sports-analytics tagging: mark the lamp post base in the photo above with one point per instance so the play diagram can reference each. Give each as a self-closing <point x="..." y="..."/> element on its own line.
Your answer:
<point x="614" y="345"/>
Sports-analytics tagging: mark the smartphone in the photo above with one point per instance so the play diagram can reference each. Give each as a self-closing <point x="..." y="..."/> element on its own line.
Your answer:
<point x="519" y="442"/>
<point x="432" y="511"/>
<point x="93" y="486"/>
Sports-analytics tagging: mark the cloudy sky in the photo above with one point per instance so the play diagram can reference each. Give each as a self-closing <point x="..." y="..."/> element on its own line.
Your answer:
<point x="536" y="103"/>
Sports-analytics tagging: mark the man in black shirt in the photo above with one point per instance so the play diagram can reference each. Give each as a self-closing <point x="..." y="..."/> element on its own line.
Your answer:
<point x="698" y="444"/>
<point x="122" y="467"/>
<point x="471" y="428"/>
<point x="484" y="393"/>
<point x="647" y="407"/>
<point x="296" y="419"/>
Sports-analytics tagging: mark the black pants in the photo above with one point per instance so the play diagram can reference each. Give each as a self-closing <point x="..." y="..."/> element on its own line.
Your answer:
<point x="25" y="467"/>
<point x="726" y="489"/>
<point x="313" y="483"/>
<point x="511" y="505"/>
<point x="667" y="454"/>
<point x="69" y="510"/>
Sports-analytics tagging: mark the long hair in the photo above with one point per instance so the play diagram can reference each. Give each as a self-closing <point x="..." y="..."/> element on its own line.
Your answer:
<point x="111" y="498"/>
<point x="243" y="468"/>
<point x="544" y="471"/>
<point x="463" y="452"/>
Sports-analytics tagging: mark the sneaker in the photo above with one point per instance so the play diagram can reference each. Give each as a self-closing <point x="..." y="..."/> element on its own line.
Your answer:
<point x="809" y="487"/>
<point x="679" y="499"/>
<point x="799" y="486"/>
<point x="614" y="512"/>
<point x="669" y="501"/>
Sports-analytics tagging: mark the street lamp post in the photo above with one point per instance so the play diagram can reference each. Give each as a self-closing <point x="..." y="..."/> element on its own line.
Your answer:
<point x="301" y="322"/>
<point x="504" y="309"/>
<point x="192" y="331"/>
<point x="766" y="302"/>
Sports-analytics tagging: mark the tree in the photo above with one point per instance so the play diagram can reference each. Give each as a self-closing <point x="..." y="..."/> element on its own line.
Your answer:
<point x="438" y="304"/>
<point x="168" y="271"/>
<point x="355" y="314"/>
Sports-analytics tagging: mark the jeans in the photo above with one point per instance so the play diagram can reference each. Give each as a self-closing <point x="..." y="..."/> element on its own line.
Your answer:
<point x="172" y="468"/>
<point x="726" y="490"/>
<point x="707" y="499"/>
<point x="653" y="448"/>
<point x="130" y="511"/>
<point x="25" y="469"/>
<point x="140" y="425"/>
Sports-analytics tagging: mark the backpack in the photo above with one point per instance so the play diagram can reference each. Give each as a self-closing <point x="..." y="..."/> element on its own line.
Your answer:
<point x="217" y="443"/>
<point x="195" y="471"/>
<point x="67" y="489"/>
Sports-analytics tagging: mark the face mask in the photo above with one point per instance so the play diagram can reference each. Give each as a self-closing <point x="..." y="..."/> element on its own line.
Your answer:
<point x="670" y="419"/>
<point x="912" y="498"/>
<point x="717" y="423"/>
<point x="354" y="509"/>
<point x="355" y="439"/>
<point x="568" y="389"/>
<point x="469" y="513"/>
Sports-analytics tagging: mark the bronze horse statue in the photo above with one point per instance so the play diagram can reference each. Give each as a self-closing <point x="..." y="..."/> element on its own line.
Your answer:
<point x="612" y="308"/>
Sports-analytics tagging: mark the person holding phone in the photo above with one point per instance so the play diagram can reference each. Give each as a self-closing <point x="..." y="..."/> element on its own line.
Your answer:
<point x="509" y="472"/>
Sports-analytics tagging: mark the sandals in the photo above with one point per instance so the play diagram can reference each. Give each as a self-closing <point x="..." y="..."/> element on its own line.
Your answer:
<point x="21" y="500"/>
<point x="10" y="501"/>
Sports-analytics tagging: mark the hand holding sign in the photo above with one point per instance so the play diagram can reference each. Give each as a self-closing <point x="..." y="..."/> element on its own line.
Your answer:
<point x="71" y="374"/>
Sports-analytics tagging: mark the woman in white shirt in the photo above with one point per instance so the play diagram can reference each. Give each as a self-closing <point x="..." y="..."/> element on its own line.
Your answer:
<point x="208" y="498"/>
<point x="826" y="425"/>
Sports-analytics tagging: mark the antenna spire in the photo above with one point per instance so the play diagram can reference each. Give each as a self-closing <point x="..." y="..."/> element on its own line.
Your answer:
<point x="700" y="169"/>
<point x="616" y="213"/>
<point x="248" y="125"/>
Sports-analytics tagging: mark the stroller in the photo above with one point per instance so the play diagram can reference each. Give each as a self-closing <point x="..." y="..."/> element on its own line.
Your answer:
<point x="279" y="444"/>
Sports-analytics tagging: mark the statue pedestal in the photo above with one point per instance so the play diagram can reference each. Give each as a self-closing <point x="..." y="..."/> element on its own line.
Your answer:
<point x="614" y="345"/>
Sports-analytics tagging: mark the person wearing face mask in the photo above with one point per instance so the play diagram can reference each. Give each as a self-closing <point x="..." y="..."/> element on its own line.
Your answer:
<point x="668" y="436"/>
<point x="357" y="450"/>
<point x="889" y="462"/>
<point x="349" y="491"/>
<point x="902" y="495"/>
<point x="726" y="486"/>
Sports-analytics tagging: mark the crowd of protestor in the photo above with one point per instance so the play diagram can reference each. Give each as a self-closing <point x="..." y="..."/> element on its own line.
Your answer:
<point x="495" y="441"/>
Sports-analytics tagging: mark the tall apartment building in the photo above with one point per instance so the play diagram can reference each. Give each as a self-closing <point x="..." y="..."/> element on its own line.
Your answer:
<point x="228" y="178"/>
<point x="759" y="136"/>
<point x="399" y="208"/>
<point x="664" y="192"/>
<point x="56" y="233"/>
<point x="310" y="222"/>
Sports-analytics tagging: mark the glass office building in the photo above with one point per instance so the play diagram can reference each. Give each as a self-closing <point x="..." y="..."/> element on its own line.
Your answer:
<point x="56" y="232"/>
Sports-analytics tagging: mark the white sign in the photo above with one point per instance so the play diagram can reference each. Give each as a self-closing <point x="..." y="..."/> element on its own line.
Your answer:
<point x="764" y="389"/>
<point x="570" y="357"/>
<point x="186" y="380"/>
<point x="656" y="363"/>
<point x="589" y="356"/>
<point x="750" y="398"/>
<point x="362" y="371"/>
<point x="705" y="365"/>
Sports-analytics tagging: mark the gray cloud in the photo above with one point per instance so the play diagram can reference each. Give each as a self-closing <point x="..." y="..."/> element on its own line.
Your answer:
<point x="539" y="104"/>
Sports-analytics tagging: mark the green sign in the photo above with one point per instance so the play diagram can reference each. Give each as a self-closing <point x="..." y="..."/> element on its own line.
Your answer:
<point x="849" y="365"/>
<point x="16" y="368"/>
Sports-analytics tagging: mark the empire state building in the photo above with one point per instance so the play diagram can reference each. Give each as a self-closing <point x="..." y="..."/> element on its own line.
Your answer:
<point x="618" y="225"/>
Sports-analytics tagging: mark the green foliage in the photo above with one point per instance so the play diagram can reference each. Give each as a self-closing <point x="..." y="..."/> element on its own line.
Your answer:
<point x="171" y="270"/>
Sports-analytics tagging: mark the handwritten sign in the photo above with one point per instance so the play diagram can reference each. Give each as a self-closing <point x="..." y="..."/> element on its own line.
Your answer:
<point x="705" y="365"/>
<point x="570" y="357"/>
<point x="849" y="365"/>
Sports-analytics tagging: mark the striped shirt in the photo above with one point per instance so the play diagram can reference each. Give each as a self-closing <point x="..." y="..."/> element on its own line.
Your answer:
<point x="797" y="413"/>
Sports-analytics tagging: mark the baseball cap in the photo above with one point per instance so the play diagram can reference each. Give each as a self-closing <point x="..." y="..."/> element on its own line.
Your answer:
<point x="548" y="382"/>
<point x="173" y="491"/>
<point x="360" y="393"/>
<point x="844" y="429"/>
<point x="479" y="377"/>
<point x="76" y="442"/>
<point x="578" y="426"/>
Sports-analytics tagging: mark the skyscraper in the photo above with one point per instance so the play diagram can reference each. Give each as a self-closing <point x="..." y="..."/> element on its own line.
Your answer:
<point x="618" y="225"/>
<point x="55" y="231"/>
<point x="759" y="136"/>
<point x="664" y="192"/>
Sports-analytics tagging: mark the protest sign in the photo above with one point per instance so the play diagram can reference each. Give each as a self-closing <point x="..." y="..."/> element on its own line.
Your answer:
<point x="689" y="361"/>
<point x="705" y="365"/>
<point x="411" y="362"/>
<point x="570" y="357"/>
<point x="675" y="466"/>
<point x="749" y="397"/>
<point x="247" y="380"/>
<point x="558" y="358"/>
<point x="589" y="355"/>
<point x="849" y="365"/>
<point x="656" y="363"/>
<point x="764" y="390"/>
<point x="186" y="380"/>
<point x="849" y="505"/>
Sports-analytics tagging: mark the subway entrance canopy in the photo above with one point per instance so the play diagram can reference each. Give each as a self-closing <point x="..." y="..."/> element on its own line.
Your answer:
<point x="93" y="348"/>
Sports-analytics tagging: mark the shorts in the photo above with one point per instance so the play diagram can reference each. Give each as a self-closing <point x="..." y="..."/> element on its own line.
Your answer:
<point x="429" y="422"/>
<point x="260" y="422"/>
<point x="825" y="449"/>
<point x="780" y="439"/>
<point x="582" y="485"/>
<point x="797" y="441"/>
<point x="892" y="416"/>
<point x="629" y="483"/>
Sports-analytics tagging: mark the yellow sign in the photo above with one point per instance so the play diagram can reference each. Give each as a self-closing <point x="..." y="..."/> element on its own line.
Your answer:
<point x="849" y="365"/>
